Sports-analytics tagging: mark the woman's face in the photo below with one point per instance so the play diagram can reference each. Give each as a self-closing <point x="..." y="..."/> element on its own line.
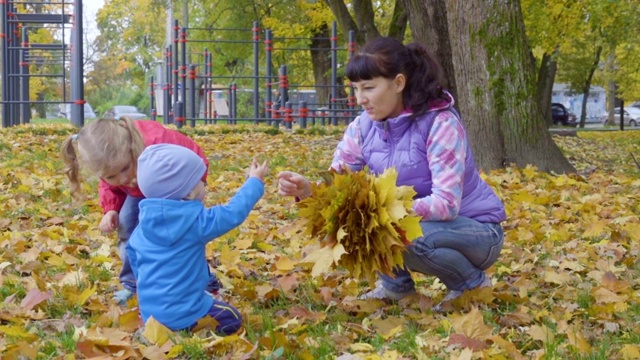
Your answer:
<point x="381" y="98"/>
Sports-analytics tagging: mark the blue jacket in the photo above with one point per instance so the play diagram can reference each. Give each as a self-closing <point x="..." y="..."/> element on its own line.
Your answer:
<point x="167" y="253"/>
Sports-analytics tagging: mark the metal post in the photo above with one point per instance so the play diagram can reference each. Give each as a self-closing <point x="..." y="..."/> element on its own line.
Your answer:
<point x="283" y="86"/>
<point x="77" y="68"/>
<point x="14" y="68"/>
<point x="152" y="95"/>
<point x="166" y="93"/>
<point x="268" y="41"/>
<point x="183" y="67"/>
<point x="205" y="91"/>
<point x="621" y="115"/>
<point x="334" y="73"/>
<point x="234" y="101"/>
<point x="24" y="77"/>
<point x="4" y="68"/>
<point x="303" y="112"/>
<point x="192" y="94"/>
<point x="256" y="71"/>
<point x="176" y="63"/>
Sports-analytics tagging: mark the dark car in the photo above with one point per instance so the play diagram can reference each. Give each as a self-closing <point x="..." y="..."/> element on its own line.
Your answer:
<point x="562" y="116"/>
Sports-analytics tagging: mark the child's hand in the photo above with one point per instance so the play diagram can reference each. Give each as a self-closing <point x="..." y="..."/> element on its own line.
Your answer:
<point x="109" y="221"/>
<point x="258" y="170"/>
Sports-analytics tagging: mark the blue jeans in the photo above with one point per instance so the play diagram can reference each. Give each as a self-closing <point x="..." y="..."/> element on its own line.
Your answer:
<point x="456" y="252"/>
<point x="127" y="222"/>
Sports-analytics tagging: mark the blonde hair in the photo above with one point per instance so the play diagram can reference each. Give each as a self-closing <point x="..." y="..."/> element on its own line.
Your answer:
<point x="103" y="146"/>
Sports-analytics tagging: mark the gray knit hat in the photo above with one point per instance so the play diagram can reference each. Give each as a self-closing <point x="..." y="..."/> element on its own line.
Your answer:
<point x="167" y="171"/>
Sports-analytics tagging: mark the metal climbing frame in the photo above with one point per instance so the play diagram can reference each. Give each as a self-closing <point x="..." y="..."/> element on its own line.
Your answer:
<point x="18" y="55"/>
<point x="179" y="86"/>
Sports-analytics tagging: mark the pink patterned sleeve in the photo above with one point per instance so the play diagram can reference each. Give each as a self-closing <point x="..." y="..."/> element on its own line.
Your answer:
<point x="446" y="155"/>
<point x="349" y="150"/>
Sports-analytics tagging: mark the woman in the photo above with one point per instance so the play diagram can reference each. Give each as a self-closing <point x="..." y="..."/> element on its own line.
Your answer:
<point x="409" y="123"/>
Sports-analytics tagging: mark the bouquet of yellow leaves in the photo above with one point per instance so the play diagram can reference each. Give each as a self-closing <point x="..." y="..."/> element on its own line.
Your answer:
<point x="363" y="223"/>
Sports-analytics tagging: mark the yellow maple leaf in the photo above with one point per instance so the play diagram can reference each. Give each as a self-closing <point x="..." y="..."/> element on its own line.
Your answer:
<point x="155" y="332"/>
<point x="17" y="332"/>
<point x="85" y="295"/>
<point x="324" y="258"/>
<point x="629" y="352"/>
<point x="471" y="325"/>
<point x="595" y="229"/>
<point x="368" y="215"/>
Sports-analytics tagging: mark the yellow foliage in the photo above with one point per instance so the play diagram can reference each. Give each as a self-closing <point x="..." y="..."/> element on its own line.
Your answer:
<point x="362" y="221"/>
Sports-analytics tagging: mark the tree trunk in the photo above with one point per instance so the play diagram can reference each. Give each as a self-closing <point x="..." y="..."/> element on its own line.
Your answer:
<point x="398" y="25"/>
<point x="587" y="85"/>
<point x="428" y="23"/>
<point x="546" y="77"/>
<point x="321" y="61"/>
<point x="345" y="21"/>
<point x="496" y="86"/>
<point x="363" y="12"/>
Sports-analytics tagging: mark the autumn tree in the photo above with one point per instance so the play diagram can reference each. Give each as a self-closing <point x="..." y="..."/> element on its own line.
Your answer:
<point x="130" y="43"/>
<point x="495" y="83"/>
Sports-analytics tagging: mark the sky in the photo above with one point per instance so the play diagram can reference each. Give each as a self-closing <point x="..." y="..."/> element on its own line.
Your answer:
<point x="90" y="10"/>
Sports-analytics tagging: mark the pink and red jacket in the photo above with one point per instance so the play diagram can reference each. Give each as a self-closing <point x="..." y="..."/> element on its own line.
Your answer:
<point x="112" y="197"/>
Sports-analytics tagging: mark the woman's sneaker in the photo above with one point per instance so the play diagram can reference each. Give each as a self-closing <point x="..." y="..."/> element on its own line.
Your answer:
<point x="381" y="293"/>
<point x="454" y="294"/>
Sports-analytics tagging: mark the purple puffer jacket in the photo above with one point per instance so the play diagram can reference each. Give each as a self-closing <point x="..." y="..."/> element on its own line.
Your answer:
<point x="401" y="143"/>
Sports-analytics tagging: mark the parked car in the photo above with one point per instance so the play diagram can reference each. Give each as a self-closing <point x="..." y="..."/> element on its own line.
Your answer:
<point x="631" y="117"/>
<point x="65" y="111"/>
<point x="117" y="111"/>
<point x="561" y="115"/>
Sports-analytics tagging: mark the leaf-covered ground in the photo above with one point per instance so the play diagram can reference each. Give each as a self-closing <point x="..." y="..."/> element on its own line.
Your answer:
<point x="566" y="285"/>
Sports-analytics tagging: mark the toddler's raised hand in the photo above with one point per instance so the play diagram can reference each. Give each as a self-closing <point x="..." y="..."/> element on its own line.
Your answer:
<point x="258" y="170"/>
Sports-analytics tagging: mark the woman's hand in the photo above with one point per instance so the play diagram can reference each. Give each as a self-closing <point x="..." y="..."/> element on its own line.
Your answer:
<point x="293" y="184"/>
<point x="109" y="221"/>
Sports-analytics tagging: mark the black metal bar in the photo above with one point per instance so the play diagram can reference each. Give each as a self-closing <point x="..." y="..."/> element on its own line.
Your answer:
<point x="256" y="69"/>
<point x="42" y="18"/>
<point x="77" y="67"/>
<point x="24" y="79"/>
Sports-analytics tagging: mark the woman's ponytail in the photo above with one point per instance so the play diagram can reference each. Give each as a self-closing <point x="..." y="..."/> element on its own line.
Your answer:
<point x="425" y="79"/>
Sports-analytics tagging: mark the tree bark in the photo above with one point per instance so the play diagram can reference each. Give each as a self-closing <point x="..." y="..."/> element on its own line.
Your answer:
<point x="587" y="85"/>
<point x="363" y="11"/>
<point x="546" y="77"/>
<point x="428" y="23"/>
<point x="496" y="87"/>
<point x="321" y="61"/>
<point x="398" y="25"/>
<point x="345" y="21"/>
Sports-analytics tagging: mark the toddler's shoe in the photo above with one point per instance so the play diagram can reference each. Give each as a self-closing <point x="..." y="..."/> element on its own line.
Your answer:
<point x="122" y="296"/>
<point x="381" y="293"/>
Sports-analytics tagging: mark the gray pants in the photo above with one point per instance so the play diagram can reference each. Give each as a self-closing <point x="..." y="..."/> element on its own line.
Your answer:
<point x="456" y="252"/>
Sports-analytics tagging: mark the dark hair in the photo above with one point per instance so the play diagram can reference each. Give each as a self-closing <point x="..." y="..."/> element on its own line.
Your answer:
<point x="387" y="57"/>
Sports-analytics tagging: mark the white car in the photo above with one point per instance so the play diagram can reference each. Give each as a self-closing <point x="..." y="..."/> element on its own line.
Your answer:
<point x="631" y="117"/>
<point x="118" y="111"/>
<point x="65" y="111"/>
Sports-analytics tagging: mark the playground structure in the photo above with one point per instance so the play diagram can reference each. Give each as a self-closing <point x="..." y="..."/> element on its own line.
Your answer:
<point x="18" y="54"/>
<point x="192" y="91"/>
<point x="189" y="92"/>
